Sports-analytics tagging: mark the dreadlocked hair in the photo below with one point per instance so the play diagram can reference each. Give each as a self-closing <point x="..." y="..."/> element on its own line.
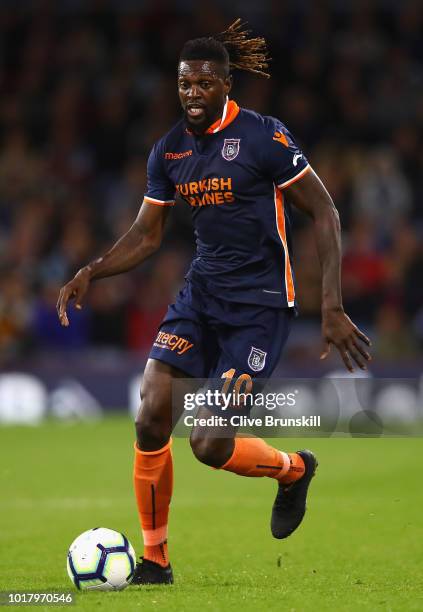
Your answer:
<point x="245" y="53"/>
<point x="233" y="47"/>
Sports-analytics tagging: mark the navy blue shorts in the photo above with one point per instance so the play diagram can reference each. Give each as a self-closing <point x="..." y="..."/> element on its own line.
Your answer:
<point x="205" y="336"/>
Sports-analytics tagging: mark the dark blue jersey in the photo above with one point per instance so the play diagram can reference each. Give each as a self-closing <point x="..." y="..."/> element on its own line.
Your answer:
<point x="233" y="178"/>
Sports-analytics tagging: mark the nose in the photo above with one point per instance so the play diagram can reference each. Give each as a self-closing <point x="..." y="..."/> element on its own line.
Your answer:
<point x="192" y="92"/>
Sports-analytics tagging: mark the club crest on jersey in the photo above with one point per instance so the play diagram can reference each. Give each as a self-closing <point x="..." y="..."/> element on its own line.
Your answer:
<point x="230" y="148"/>
<point x="257" y="359"/>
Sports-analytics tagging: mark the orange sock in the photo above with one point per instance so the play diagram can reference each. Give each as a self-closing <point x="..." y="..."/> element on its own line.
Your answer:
<point x="153" y="483"/>
<point x="253" y="457"/>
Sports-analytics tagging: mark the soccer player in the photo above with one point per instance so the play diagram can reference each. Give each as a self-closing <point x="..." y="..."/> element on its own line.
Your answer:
<point x="236" y="169"/>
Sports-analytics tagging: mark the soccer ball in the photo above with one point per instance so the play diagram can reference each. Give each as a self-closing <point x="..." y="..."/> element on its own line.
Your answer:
<point x="101" y="559"/>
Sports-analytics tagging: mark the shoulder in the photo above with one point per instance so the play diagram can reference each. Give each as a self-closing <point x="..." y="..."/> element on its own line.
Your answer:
<point x="261" y="124"/>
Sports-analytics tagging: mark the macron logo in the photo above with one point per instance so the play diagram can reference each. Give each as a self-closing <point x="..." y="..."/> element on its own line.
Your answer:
<point x="296" y="158"/>
<point x="178" y="155"/>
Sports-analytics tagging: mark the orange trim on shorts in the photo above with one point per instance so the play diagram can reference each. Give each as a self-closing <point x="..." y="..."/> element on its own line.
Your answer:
<point x="280" y="224"/>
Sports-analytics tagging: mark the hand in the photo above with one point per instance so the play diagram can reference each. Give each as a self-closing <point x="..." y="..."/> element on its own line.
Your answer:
<point x="75" y="289"/>
<point x="338" y="329"/>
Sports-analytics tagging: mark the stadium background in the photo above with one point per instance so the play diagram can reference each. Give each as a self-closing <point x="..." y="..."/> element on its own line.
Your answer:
<point x="86" y="89"/>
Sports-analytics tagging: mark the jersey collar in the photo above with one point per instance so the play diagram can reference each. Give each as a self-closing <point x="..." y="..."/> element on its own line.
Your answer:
<point x="230" y="112"/>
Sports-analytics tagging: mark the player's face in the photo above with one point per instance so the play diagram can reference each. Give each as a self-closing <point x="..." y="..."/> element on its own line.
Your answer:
<point x="203" y="87"/>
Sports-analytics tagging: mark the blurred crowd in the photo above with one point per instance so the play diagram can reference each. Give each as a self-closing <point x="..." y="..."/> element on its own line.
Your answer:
<point x="87" y="88"/>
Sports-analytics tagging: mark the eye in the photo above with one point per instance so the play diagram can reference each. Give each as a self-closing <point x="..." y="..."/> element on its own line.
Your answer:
<point x="183" y="85"/>
<point x="205" y="84"/>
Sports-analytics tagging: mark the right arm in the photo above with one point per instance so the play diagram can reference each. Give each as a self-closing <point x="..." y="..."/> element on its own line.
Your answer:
<point x="140" y="241"/>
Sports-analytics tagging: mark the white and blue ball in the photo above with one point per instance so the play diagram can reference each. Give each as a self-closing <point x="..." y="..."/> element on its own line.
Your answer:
<point x="101" y="559"/>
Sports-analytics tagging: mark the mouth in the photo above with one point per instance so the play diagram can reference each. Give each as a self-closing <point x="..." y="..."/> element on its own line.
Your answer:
<point x="195" y="110"/>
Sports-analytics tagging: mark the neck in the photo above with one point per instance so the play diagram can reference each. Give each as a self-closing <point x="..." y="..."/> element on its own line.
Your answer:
<point x="220" y="118"/>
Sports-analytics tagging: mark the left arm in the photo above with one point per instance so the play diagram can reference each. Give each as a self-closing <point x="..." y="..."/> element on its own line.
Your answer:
<point x="309" y="195"/>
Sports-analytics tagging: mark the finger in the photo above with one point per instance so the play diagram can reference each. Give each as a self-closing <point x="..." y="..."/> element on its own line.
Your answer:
<point x="78" y="301"/>
<point x="58" y="302"/>
<point x="363" y="351"/>
<point x="63" y="300"/>
<point x="63" y="317"/>
<point x="356" y="355"/>
<point x="79" y="296"/>
<point x="362" y="336"/>
<point x="326" y="351"/>
<point x="59" y="305"/>
<point x="345" y="357"/>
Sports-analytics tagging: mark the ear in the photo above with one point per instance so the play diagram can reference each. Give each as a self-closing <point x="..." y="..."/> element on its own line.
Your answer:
<point x="228" y="84"/>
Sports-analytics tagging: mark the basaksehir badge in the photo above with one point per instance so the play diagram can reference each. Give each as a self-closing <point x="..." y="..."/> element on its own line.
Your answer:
<point x="230" y="148"/>
<point x="256" y="359"/>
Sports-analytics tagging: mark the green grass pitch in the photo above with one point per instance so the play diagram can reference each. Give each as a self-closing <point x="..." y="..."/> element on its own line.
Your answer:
<point x="359" y="548"/>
